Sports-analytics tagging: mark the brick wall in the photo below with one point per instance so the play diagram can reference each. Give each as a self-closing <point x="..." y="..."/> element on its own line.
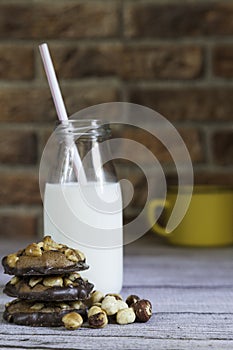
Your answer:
<point x="175" y="56"/>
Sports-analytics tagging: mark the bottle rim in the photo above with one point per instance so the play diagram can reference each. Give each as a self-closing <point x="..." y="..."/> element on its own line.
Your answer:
<point x="91" y="128"/>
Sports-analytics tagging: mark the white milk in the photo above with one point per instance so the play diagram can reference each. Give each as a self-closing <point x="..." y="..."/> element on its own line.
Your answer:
<point x="89" y="218"/>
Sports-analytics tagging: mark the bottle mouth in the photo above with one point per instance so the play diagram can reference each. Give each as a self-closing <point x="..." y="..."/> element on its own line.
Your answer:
<point x="84" y="128"/>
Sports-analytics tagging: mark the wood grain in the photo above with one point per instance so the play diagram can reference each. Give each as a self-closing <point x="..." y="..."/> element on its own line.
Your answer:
<point x="192" y="295"/>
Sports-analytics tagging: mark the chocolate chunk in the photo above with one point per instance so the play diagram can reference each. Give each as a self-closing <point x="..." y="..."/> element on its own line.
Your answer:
<point x="49" y="289"/>
<point x="40" y="315"/>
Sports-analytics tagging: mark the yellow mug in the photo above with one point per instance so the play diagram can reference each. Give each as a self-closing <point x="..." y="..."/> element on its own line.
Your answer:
<point x="207" y="222"/>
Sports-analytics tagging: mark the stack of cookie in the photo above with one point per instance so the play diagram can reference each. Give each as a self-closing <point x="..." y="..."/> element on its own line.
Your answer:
<point x="47" y="284"/>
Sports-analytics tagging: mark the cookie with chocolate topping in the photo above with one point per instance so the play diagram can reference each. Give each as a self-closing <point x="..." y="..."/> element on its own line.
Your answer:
<point x="49" y="288"/>
<point x="37" y="314"/>
<point x="44" y="258"/>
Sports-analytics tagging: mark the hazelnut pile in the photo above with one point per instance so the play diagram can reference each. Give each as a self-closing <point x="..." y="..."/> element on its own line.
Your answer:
<point x="99" y="309"/>
<point x="111" y="309"/>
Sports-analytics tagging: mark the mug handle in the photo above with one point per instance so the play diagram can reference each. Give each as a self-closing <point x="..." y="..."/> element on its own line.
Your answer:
<point x="156" y="227"/>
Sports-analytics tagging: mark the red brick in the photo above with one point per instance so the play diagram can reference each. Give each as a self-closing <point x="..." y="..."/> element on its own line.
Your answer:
<point x="222" y="146"/>
<point x="192" y="139"/>
<point x="18" y="226"/>
<point x="19" y="188"/>
<point x="212" y="104"/>
<point x="35" y="104"/>
<point x="59" y="20"/>
<point x="88" y="95"/>
<point x="16" y="63"/>
<point x="129" y="61"/>
<point x="223" y="61"/>
<point x="151" y="20"/>
<point x="17" y="146"/>
<point x="26" y="104"/>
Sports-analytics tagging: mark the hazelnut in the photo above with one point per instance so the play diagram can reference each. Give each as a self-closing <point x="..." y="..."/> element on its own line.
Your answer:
<point x="77" y="304"/>
<point x="33" y="250"/>
<point x="71" y="255"/>
<point x="67" y="282"/>
<point x="72" y="320"/>
<point x="143" y="310"/>
<point x="97" y="304"/>
<point x="80" y="255"/>
<point x="117" y="296"/>
<point x="94" y="310"/>
<point x="37" y="306"/>
<point x="132" y="299"/>
<point x="53" y="281"/>
<point x="96" y="297"/>
<point x="14" y="280"/>
<point x="109" y="305"/>
<point x="12" y="260"/>
<point x="125" y="316"/>
<point x="121" y="305"/>
<point x="63" y="306"/>
<point x="50" y="244"/>
<point x="73" y="276"/>
<point x="34" y="281"/>
<point x="40" y="244"/>
<point x="97" y="318"/>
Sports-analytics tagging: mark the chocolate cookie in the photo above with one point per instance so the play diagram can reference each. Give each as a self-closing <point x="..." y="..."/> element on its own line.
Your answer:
<point x="41" y="314"/>
<point x="44" y="258"/>
<point x="53" y="288"/>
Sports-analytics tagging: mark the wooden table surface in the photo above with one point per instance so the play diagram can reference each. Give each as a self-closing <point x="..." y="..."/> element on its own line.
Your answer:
<point x="192" y="295"/>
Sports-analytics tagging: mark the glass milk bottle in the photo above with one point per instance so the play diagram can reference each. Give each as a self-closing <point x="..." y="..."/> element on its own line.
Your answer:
<point x="83" y="208"/>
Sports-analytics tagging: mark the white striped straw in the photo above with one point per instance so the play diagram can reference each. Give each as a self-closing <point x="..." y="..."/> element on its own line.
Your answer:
<point x="58" y="101"/>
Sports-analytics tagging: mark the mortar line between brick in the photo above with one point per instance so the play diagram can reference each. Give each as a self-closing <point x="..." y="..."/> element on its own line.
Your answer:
<point x="20" y="209"/>
<point x="160" y="2"/>
<point x="116" y="40"/>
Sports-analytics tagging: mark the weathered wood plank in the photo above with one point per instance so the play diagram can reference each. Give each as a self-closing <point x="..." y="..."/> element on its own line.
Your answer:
<point x="124" y="343"/>
<point x="164" y="327"/>
<point x="191" y="291"/>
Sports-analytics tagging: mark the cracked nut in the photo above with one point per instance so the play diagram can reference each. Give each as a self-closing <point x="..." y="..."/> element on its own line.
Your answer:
<point x="50" y="244"/>
<point x="80" y="254"/>
<point x="72" y="320"/>
<point x="14" y="280"/>
<point x="109" y="305"/>
<point x="143" y="310"/>
<point x="34" y="281"/>
<point x="12" y="260"/>
<point x="125" y="316"/>
<point x="37" y="306"/>
<point x="97" y="317"/>
<point x="33" y="250"/>
<point x="71" y="255"/>
<point x="54" y="281"/>
<point x="67" y="282"/>
<point x="132" y="299"/>
<point x="73" y="276"/>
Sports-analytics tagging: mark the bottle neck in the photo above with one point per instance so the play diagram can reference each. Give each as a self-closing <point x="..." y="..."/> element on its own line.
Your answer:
<point x="89" y="130"/>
